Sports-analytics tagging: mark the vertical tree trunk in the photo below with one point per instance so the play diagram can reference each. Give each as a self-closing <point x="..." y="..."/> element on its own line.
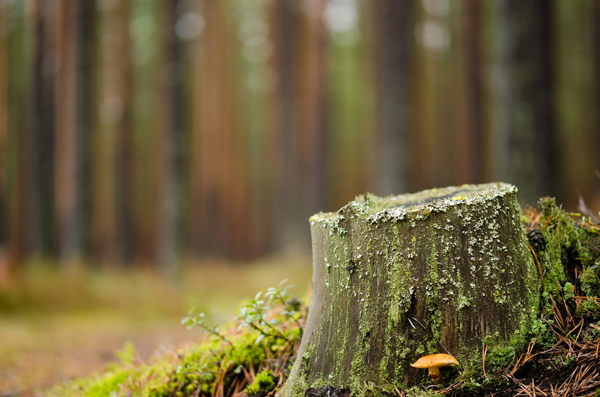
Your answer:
<point x="19" y="200"/>
<point x="523" y="121"/>
<point x="4" y="21"/>
<point x="86" y="45"/>
<point x="469" y="146"/>
<point x="423" y="164"/>
<point x="288" y="218"/>
<point x="542" y="45"/>
<point x="396" y="32"/>
<point x="219" y="190"/>
<point x="194" y="219"/>
<point x="208" y="160"/>
<point x="165" y="230"/>
<point x="109" y="110"/>
<point x="125" y="142"/>
<point x="595" y="50"/>
<point x="454" y="260"/>
<point x="41" y="140"/>
<point x="312" y="108"/>
<point x="66" y="134"/>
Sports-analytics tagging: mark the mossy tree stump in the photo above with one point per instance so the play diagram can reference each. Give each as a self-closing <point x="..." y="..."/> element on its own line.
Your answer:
<point x="455" y="260"/>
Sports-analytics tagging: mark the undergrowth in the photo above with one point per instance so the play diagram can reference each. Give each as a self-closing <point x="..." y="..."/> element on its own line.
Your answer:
<point x="558" y="356"/>
<point x="250" y="356"/>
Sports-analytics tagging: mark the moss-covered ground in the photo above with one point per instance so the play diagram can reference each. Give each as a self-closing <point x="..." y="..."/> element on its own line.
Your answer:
<point x="559" y="356"/>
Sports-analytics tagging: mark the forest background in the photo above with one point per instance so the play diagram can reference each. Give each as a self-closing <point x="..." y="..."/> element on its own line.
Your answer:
<point x="138" y="132"/>
<point x="191" y="140"/>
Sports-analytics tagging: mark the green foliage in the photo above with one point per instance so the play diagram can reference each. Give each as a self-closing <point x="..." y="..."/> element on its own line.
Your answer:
<point x="220" y="361"/>
<point x="199" y="321"/>
<point x="127" y="354"/>
<point x="589" y="281"/>
<point x="263" y="383"/>
<point x="253" y="314"/>
<point x="560" y="234"/>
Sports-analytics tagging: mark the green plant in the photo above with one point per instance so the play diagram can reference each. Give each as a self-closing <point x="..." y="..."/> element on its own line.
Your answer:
<point x="199" y="321"/>
<point x="255" y="314"/>
<point x="262" y="384"/>
<point x="225" y="361"/>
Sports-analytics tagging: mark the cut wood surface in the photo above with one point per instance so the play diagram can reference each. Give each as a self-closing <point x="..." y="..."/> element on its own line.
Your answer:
<point x="396" y="278"/>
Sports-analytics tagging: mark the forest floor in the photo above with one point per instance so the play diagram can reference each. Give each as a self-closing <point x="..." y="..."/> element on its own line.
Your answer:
<point x="54" y="328"/>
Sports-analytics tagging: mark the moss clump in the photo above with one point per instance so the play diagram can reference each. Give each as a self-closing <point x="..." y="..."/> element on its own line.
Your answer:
<point x="263" y="383"/>
<point x="589" y="281"/>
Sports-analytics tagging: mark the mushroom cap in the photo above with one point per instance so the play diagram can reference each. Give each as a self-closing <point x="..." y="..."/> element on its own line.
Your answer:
<point x="435" y="360"/>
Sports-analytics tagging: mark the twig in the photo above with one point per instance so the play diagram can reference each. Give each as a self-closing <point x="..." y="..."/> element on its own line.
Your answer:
<point x="483" y="353"/>
<point x="432" y="334"/>
<point x="537" y="261"/>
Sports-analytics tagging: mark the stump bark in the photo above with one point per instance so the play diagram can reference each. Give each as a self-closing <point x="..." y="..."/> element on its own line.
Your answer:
<point x="400" y="277"/>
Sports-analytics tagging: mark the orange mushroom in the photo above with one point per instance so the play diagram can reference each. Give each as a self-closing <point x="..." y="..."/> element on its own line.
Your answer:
<point x="433" y="362"/>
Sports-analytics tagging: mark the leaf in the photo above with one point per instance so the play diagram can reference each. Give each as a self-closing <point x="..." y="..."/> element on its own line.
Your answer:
<point x="259" y="339"/>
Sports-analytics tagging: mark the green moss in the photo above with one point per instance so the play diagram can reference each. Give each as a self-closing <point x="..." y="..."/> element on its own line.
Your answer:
<point x="589" y="281"/>
<point x="262" y="384"/>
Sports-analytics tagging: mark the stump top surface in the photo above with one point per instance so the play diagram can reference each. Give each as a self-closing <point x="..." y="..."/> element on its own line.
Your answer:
<point x="426" y="201"/>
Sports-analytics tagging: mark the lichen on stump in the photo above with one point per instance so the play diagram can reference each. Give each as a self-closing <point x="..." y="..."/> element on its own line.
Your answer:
<point x="454" y="260"/>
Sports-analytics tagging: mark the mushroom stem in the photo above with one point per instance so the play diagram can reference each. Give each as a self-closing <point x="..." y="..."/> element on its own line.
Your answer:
<point x="435" y="374"/>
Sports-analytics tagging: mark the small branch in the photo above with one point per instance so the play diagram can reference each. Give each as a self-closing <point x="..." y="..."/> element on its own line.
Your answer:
<point x="483" y="353"/>
<point x="432" y="334"/>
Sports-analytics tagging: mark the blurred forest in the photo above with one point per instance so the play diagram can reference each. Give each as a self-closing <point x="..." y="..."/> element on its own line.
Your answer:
<point x="135" y="133"/>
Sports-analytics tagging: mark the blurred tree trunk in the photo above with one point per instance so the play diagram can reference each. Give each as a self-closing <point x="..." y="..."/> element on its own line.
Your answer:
<point x="42" y="133"/>
<point x="288" y="218"/>
<point x="194" y="203"/>
<point x="4" y="25"/>
<point x="125" y="141"/>
<point x="219" y="191"/>
<point x="208" y="153"/>
<point x="312" y="107"/>
<point x="167" y="199"/>
<point x="66" y="213"/>
<point x="352" y="86"/>
<point x="575" y="96"/>
<point x="595" y="50"/>
<point x="109" y="85"/>
<point x="18" y="159"/>
<point x="422" y="158"/>
<point x="396" y="30"/>
<point x="523" y="124"/>
<point x="469" y="146"/>
<point x="86" y="47"/>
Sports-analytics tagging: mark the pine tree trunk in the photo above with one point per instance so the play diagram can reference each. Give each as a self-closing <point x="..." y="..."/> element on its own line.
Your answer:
<point x="454" y="260"/>
<point x="65" y="188"/>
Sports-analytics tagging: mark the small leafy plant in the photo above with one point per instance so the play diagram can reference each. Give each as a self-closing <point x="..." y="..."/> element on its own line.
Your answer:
<point x="198" y="321"/>
<point x="255" y="314"/>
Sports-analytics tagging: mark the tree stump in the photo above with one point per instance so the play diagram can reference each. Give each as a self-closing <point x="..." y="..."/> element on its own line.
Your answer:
<point x="404" y="276"/>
